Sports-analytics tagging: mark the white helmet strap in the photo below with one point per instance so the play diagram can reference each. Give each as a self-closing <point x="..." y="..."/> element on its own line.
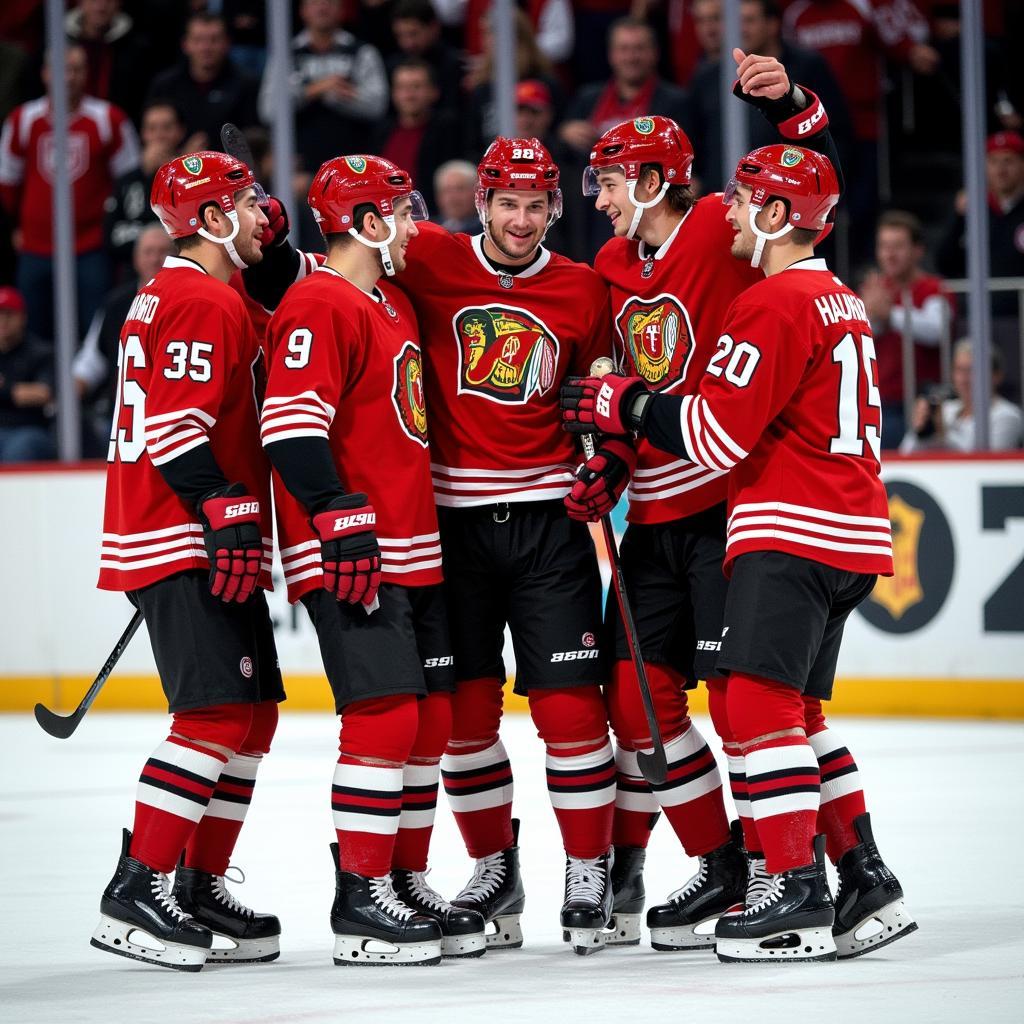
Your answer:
<point x="763" y="236"/>
<point x="639" y="205"/>
<point x="384" y="248"/>
<point x="228" y="240"/>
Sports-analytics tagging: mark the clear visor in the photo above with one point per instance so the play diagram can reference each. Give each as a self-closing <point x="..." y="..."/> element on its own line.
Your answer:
<point x="262" y="199"/>
<point x="419" y="205"/>
<point x="730" y="191"/>
<point x="591" y="185"/>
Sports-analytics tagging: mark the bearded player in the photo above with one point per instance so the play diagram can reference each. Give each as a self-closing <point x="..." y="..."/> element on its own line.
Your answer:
<point x="672" y="278"/>
<point x="186" y="534"/>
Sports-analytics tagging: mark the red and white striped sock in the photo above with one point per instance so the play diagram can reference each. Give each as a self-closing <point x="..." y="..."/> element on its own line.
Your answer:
<point x="740" y="796"/>
<point x="636" y="807"/>
<point x="478" y="781"/>
<point x="210" y="845"/>
<point x="366" y="801"/>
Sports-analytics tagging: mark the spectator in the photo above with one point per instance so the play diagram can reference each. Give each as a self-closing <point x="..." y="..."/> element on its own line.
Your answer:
<point x="417" y="32"/>
<point x="535" y="111"/>
<point x="948" y="424"/>
<point x="455" y="192"/>
<point x="102" y="145"/>
<point x="128" y="210"/>
<point x="419" y="137"/>
<point x="760" y="32"/>
<point x="899" y="251"/>
<point x="550" y="22"/>
<point x="26" y="386"/>
<point x="247" y="26"/>
<point x="206" y="86"/>
<point x="339" y="85"/>
<point x="95" y="364"/>
<point x="707" y="27"/>
<point x="116" y="54"/>
<point x="593" y="20"/>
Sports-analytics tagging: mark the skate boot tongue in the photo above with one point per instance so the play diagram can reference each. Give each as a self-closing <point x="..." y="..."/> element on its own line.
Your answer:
<point x="383" y="894"/>
<point x="770" y="892"/>
<point x="161" y="889"/>
<point x="488" y="876"/>
<point x="585" y="880"/>
<point x="221" y="894"/>
<point x="695" y="883"/>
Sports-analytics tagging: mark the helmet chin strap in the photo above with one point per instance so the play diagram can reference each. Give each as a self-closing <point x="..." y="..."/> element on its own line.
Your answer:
<point x="384" y="248"/>
<point x="639" y="205"/>
<point x="763" y="236"/>
<point x="227" y="241"/>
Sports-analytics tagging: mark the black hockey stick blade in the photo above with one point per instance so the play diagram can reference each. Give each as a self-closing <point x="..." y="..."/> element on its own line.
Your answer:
<point x="62" y="726"/>
<point x="235" y="144"/>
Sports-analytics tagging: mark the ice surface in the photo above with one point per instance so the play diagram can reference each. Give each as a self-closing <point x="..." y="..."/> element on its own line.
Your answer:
<point x="946" y="804"/>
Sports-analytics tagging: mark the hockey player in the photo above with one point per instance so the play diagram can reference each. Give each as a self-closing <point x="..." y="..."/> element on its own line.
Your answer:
<point x="345" y="426"/>
<point x="789" y="408"/>
<point x="672" y="278"/>
<point x="186" y="534"/>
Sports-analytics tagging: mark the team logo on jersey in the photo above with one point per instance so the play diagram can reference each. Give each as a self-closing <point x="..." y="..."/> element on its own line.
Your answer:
<point x="408" y="393"/>
<point x="356" y="163"/>
<point x="644" y="125"/>
<point x="192" y="164"/>
<point x="791" y="157"/>
<point x="658" y="338"/>
<point x="507" y="354"/>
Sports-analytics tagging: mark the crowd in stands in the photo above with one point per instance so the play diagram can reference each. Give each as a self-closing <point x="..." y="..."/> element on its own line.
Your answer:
<point x="411" y="80"/>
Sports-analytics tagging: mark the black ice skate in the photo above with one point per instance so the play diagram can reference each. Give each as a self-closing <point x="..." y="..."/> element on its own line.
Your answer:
<point x="587" y="909"/>
<point x="462" y="930"/>
<point x="373" y="927"/>
<point x="719" y="885"/>
<point x="869" y="905"/>
<point x="792" y="923"/>
<point x="140" y="919"/>
<point x="496" y="893"/>
<point x="627" y="897"/>
<point x="253" y="938"/>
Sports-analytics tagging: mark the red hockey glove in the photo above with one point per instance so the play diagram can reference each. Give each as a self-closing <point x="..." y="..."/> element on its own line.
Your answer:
<point x="234" y="542"/>
<point x="600" y="481"/>
<point x="277" y="230"/>
<point x="598" y="405"/>
<point x="348" y="547"/>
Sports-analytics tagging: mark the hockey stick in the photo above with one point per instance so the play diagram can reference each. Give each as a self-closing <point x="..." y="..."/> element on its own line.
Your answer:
<point x="62" y="726"/>
<point x="235" y="144"/>
<point x="653" y="766"/>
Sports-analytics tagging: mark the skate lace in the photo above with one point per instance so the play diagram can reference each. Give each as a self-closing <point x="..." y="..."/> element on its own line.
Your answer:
<point x="758" y="881"/>
<point x="382" y="892"/>
<point x="160" y="888"/>
<point x="585" y="880"/>
<point x="693" y="884"/>
<point x="772" y="894"/>
<point x="488" y="875"/>
<point x="426" y="895"/>
<point x="221" y="894"/>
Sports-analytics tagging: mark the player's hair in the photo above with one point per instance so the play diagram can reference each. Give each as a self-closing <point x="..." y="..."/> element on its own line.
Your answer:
<point x="415" y="64"/>
<point x="804" y="236"/>
<point x="415" y="10"/>
<point x="905" y="221"/>
<point x="679" y="197"/>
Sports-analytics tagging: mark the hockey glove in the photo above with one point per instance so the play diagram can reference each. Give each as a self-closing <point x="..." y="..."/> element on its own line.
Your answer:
<point x="792" y="121"/>
<point x="349" y="550"/>
<point x="599" y="405"/>
<point x="234" y="541"/>
<point x="277" y="230"/>
<point x="601" y="480"/>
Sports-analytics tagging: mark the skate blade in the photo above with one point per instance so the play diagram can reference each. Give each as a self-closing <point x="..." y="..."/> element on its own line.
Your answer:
<point x="507" y="933"/>
<point x="804" y="946"/>
<point x="887" y="925"/>
<point x="362" y="951"/>
<point x="622" y="930"/>
<point x="699" y="936"/>
<point x="244" y="951"/>
<point x="124" y="939"/>
<point x="463" y="946"/>
<point x="587" y="940"/>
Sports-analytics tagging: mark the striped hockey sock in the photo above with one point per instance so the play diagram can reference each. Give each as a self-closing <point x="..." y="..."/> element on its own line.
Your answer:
<point x="367" y="802"/>
<point x="478" y="782"/>
<point x="636" y="807"/>
<point x="209" y="849"/>
<point x="740" y="796"/>
<point x="416" y="822"/>
<point x="842" y="799"/>
<point x="581" y="784"/>
<point x="174" y="791"/>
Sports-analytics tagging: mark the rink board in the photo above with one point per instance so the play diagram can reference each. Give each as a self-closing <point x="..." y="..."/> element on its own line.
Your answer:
<point x="944" y="637"/>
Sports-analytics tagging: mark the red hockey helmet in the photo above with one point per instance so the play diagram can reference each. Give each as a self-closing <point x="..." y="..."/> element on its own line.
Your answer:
<point x="519" y="165"/>
<point x="183" y="186"/>
<point x="346" y="182"/>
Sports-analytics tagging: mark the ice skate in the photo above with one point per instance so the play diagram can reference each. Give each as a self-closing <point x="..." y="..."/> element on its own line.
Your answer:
<point x="462" y="930"/>
<point x="720" y="884"/>
<point x="253" y="938"/>
<point x="587" y="909"/>
<point x="140" y="919"/>
<point x="627" y="897"/>
<point x="792" y="923"/>
<point x="870" y="912"/>
<point x="496" y="893"/>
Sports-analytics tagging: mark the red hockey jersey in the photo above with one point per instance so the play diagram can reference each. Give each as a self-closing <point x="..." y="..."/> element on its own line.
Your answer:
<point x="189" y="370"/>
<point x="496" y="349"/>
<point x="346" y="366"/>
<point x="789" y="405"/>
<point x="668" y="307"/>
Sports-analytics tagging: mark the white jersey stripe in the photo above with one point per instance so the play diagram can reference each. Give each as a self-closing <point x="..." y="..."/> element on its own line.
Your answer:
<point x="808" y="511"/>
<point x="808" y="541"/>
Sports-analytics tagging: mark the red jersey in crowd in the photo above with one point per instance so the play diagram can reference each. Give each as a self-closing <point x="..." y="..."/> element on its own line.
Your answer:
<point x="668" y="306"/>
<point x="102" y="145"/>
<point x="345" y="366"/>
<point x="788" y="405"/>
<point x="189" y="367"/>
<point x="496" y="348"/>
